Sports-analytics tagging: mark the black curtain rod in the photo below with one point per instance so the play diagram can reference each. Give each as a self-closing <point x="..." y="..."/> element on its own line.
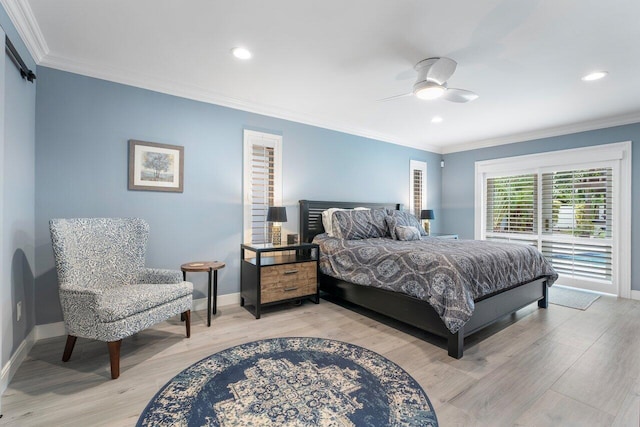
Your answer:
<point x="25" y="72"/>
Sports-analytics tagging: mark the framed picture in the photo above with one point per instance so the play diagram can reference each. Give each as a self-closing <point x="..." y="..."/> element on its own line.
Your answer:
<point x="155" y="167"/>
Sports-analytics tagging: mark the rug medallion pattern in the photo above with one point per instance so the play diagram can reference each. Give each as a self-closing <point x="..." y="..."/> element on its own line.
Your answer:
<point x="292" y="382"/>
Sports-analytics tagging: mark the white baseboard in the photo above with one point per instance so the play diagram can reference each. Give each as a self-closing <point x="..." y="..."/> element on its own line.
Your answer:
<point x="50" y="330"/>
<point x="635" y="295"/>
<point x="227" y="299"/>
<point x="11" y="367"/>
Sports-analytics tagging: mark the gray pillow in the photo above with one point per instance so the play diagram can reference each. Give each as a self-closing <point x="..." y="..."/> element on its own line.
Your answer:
<point x="407" y="232"/>
<point x="397" y="218"/>
<point x="360" y="224"/>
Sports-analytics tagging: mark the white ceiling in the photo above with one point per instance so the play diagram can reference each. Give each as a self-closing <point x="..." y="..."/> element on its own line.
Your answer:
<point x="328" y="62"/>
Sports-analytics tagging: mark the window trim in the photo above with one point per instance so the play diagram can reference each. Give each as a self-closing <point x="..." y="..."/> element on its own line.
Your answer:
<point x="422" y="166"/>
<point x="619" y="152"/>
<point x="250" y="137"/>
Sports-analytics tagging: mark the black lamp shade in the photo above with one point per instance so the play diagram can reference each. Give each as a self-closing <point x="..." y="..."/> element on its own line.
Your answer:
<point x="277" y="214"/>
<point x="427" y="214"/>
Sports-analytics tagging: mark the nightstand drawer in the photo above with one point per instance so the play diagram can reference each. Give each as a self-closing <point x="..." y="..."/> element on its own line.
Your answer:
<point x="279" y="282"/>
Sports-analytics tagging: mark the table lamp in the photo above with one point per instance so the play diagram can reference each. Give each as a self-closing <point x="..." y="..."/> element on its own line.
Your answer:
<point x="276" y="215"/>
<point x="427" y="214"/>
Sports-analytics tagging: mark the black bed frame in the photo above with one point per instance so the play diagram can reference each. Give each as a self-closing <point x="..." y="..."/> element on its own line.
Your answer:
<point x="413" y="311"/>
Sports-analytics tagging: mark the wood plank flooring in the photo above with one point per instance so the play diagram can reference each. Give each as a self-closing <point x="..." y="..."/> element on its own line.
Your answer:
<point x="554" y="367"/>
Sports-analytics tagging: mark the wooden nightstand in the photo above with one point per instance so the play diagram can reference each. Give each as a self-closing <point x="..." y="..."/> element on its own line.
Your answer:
<point x="277" y="274"/>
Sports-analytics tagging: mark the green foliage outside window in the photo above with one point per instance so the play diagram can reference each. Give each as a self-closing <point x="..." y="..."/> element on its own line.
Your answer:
<point x="576" y="202"/>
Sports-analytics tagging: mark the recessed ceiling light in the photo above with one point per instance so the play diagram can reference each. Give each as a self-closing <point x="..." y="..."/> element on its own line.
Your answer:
<point x="241" y="53"/>
<point x="596" y="75"/>
<point x="437" y="119"/>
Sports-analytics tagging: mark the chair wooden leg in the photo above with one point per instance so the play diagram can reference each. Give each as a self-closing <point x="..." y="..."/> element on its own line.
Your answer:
<point x="68" y="348"/>
<point x="187" y="320"/>
<point x="114" y="356"/>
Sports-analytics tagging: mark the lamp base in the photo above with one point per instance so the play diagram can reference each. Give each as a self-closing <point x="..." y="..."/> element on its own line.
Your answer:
<point x="276" y="235"/>
<point x="427" y="227"/>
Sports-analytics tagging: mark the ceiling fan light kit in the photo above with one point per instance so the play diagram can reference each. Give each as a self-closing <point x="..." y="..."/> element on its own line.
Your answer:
<point x="428" y="90"/>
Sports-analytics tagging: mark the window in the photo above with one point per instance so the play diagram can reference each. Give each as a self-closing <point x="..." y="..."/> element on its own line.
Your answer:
<point x="262" y="183"/>
<point x="570" y="205"/>
<point x="577" y="208"/>
<point x="511" y="204"/>
<point x="417" y="187"/>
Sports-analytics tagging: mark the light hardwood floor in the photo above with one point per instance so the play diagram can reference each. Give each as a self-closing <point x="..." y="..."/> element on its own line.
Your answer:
<point x="555" y="367"/>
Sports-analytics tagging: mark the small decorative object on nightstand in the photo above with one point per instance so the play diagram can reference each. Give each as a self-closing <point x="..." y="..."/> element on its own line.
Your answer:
<point x="276" y="215"/>
<point x="277" y="274"/>
<point x="427" y="214"/>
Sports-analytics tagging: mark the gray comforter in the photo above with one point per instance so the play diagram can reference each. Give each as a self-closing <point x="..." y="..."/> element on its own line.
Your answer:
<point x="449" y="274"/>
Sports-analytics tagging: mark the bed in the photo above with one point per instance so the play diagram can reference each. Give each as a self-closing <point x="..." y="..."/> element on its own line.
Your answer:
<point x="411" y="310"/>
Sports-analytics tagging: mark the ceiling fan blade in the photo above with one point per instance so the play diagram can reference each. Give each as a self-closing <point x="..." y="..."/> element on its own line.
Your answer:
<point x="459" y="95"/>
<point x="395" y="96"/>
<point x="441" y="70"/>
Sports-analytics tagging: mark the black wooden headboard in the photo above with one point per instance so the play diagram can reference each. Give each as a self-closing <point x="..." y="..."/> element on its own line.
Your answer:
<point x="311" y="214"/>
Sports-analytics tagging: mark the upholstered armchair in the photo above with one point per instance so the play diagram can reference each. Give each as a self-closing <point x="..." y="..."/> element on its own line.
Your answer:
<point x="106" y="293"/>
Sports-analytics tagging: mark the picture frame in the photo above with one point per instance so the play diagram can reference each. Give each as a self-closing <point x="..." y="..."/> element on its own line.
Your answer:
<point x="156" y="167"/>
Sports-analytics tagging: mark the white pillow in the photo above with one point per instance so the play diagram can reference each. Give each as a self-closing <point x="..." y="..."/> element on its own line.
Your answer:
<point x="327" y="219"/>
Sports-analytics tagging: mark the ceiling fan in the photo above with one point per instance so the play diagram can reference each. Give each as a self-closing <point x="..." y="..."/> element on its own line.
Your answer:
<point x="431" y="83"/>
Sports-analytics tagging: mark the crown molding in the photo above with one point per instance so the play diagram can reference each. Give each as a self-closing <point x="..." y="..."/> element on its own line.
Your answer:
<point x="185" y="90"/>
<point x="21" y="15"/>
<point x="607" y="122"/>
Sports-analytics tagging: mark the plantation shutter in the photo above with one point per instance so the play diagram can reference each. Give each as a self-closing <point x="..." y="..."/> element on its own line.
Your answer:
<point x="580" y="260"/>
<point x="262" y="191"/>
<point x="577" y="222"/>
<point x="511" y="204"/>
<point x="418" y="182"/>
<point x="417" y="187"/>
<point x="578" y="202"/>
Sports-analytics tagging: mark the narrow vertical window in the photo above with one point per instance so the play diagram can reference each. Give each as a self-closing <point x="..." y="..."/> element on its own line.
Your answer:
<point x="417" y="187"/>
<point x="262" y="183"/>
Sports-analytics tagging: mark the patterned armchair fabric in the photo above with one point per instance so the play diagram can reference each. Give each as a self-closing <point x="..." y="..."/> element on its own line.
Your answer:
<point x="105" y="292"/>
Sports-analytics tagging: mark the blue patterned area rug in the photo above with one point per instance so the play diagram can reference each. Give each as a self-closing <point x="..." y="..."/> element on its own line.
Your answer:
<point x="291" y="382"/>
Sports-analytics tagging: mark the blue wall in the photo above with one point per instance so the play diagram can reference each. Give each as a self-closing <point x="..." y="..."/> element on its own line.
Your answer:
<point x="82" y="128"/>
<point x="18" y="193"/>
<point x="458" y="177"/>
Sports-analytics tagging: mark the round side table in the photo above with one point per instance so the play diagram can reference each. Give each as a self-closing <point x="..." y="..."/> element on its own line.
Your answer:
<point x="210" y="267"/>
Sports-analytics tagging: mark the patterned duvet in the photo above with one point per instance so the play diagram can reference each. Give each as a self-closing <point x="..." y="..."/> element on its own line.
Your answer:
<point x="449" y="274"/>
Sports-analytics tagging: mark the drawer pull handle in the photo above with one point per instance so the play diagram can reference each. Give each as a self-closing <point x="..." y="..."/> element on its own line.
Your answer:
<point x="290" y="289"/>
<point x="290" y="271"/>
